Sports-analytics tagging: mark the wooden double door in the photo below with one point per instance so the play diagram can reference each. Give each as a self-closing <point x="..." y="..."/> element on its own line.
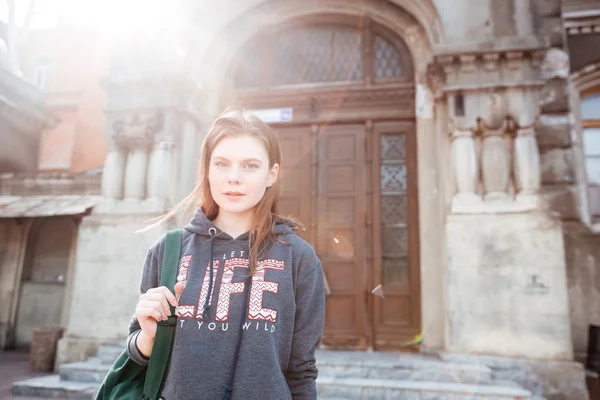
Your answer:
<point x="354" y="187"/>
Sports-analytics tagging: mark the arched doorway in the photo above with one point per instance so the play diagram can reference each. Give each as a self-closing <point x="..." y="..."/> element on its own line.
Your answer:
<point x="340" y="93"/>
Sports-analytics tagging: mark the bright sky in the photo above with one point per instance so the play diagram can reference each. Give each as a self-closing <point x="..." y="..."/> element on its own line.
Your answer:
<point x="116" y="14"/>
<point x="45" y="12"/>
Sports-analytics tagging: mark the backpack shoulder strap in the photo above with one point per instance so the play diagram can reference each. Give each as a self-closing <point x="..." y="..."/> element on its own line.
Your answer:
<point x="161" y="351"/>
<point x="171" y="258"/>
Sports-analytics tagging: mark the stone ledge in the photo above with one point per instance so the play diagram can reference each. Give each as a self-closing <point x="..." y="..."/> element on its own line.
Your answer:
<point x="474" y="204"/>
<point x="554" y="130"/>
<point x="554" y="97"/>
<point x="127" y="206"/>
<point x="496" y="45"/>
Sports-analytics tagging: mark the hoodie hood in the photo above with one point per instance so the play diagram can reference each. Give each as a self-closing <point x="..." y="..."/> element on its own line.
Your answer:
<point x="201" y="225"/>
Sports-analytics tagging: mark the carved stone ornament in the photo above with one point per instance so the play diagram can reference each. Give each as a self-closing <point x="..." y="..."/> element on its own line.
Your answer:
<point x="137" y="132"/>
<point x="555" y="64"/>
<point x="436" y="78"/>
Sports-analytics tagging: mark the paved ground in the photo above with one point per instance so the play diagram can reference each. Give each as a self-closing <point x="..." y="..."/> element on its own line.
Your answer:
<point x="14" y="366"/>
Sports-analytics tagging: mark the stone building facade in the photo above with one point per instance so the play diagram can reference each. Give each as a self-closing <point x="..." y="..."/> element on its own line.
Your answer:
<point x="445" y="150"/>
<point x="51" y="152"/>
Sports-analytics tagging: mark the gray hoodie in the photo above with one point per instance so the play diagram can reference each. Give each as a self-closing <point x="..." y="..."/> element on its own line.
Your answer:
<point x="282" y="324"/>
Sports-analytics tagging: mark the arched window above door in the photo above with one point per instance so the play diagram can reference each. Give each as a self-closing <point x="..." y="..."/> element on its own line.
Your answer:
<point x="323" y="55"/>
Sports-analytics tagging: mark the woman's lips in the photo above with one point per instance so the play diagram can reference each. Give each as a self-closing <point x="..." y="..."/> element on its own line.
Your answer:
<point x="233" y="195"/>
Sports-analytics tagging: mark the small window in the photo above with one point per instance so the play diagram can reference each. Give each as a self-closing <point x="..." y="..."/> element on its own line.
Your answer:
<point x="590" y="115"/>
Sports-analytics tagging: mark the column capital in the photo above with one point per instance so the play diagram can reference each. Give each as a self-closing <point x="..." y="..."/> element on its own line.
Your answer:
<point x="488" y="70"/>
<point x="435" y="78"/>
<point x="137" y="132"/>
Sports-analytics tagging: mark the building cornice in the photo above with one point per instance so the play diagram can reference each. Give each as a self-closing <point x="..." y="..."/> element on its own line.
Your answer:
<point x="581" y="17"/>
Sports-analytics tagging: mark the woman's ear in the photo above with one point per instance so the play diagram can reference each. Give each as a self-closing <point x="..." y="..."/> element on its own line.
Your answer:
<point x="273" y="175"/>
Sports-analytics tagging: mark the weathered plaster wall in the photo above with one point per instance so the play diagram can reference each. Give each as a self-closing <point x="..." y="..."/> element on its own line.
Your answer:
<point x="460" y="25"/>
<point x="106" y="284"/>
<point x="40" y="306"/>
<point x="509" y="281"/>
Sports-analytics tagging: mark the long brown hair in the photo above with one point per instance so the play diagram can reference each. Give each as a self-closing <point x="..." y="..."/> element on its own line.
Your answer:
<point x="238" y="122"/>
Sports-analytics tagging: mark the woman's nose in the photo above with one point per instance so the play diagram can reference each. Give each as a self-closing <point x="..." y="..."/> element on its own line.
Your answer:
<point x="234" y="175"/>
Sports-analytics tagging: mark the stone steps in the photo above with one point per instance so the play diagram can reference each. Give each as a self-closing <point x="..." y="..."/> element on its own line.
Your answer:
<point x="400" y="366"/>
<point x="384" y="389"/>
<point x="329" y="389"/>
<point x="92" y="370"/>
<point x="342" y="375"/>
<point x="78" y="380"/>
<point x="367" y="375"/>
<point x="52" y="386"/>
<point x="108" y="354"/>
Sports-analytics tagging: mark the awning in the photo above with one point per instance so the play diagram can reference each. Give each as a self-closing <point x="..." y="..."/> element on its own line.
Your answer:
<point x="45" y="206"/>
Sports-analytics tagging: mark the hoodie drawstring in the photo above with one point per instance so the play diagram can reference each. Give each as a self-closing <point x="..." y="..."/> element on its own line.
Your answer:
<point x="212" y="232"/>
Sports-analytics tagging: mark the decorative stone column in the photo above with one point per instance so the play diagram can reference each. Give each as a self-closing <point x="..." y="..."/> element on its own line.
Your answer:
<point x="493" y="127"/>
<point x="502" y="248"/>
<point x="135" y="173"/>
<point x="527" y="162"/>
<point x="492" y="106"/>
<point x="495" y="164"/>
<point x="114" y="173"/>
<point x="523" y="106"/>
<point x="136" y="137"/>
<point x="160" y="169"/>
<point x="464" y="160"/>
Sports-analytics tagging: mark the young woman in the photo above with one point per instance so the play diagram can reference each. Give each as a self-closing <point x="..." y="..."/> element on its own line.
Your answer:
<point x="236" y="251"/>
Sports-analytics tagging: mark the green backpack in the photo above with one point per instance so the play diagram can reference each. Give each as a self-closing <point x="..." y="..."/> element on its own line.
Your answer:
<point x="128" y="380"/>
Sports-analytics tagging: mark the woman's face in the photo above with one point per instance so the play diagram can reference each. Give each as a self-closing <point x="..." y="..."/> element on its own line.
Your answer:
<point x="239" y="173"/>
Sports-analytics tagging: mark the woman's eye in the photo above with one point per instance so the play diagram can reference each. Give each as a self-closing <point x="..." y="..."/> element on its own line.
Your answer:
<point x="221" y="164"/>
<point x="252" y="166"/>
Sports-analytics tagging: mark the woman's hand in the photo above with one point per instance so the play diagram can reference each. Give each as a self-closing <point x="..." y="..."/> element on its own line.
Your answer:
<point x="153" y="306"/>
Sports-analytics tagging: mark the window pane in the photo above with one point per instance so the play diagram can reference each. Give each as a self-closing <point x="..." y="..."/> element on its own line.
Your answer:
<point x="388" y="62"/>
<point x="394" y="242"/>
<point x="590" y="107"/>
<point x="393" y="209"/>
<point x="395" y="272"/>
<point x="347" y="56"/>
<point x="393" y="178"/>
<point x="594" y="192"/>
<point x="593" y="170"/>
<point x="317" y="54"/>
<point x="392" y="147"/>
<point x="591" y="141"/>
<point x="292" y="53"/>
